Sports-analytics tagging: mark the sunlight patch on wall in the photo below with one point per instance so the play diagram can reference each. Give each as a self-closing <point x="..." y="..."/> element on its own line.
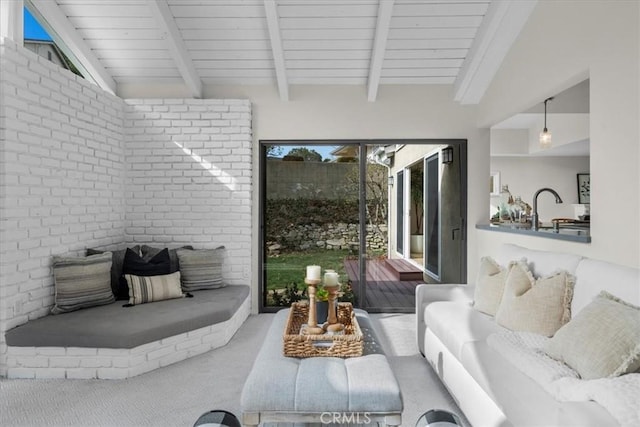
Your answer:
<point x="223" y="177"/>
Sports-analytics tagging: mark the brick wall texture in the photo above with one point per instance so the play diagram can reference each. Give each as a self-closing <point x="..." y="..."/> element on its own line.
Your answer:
<point x="82" y="168"/>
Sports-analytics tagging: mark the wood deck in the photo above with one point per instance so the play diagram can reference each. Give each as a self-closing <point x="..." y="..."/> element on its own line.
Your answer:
<point x="390" y="286"/>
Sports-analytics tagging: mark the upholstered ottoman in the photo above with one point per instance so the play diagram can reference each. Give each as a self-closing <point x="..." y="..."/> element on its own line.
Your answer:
<point x="357" y="390"/>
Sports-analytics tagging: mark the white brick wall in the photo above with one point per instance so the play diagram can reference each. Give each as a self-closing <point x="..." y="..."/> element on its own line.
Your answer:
<point x="81" y="168"/>
<point x="189" y="176"/>
<point x="62" y="178"/>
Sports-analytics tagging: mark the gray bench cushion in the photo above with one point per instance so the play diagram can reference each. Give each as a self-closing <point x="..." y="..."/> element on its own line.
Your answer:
<point x="115" y="326"/>
<point x="317" y="384"/>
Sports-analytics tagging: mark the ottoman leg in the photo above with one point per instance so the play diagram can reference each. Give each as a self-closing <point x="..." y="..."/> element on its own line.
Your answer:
<point x="250" y="419"/>
<point x="393" y="420"/>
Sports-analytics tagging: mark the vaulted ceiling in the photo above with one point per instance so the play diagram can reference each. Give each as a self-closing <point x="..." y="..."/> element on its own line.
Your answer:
<point x="288" y="42"/>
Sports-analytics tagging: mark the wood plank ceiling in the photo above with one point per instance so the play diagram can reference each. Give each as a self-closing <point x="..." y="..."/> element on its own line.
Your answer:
<point x="282" y="42"/>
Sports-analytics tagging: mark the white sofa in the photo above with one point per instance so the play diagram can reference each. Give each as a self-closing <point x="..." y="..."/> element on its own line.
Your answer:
<point x="489" y="389"/>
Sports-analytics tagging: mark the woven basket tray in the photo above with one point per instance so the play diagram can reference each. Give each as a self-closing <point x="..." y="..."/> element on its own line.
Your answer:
<point x="350" y="344"/>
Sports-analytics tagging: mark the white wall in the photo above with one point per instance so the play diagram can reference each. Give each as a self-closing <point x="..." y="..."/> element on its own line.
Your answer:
<point x="509" y="141"/>
<point x="62" y="171"/>
<point x="598" y="40"/>
<point x="526" y="175"/>
<point x="189" y="177"/>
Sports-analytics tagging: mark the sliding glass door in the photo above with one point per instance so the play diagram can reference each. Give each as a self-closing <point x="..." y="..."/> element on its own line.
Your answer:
<point x="364" y="209"/>
<point x="310" y="216"/>
<point x="430" y="210"/>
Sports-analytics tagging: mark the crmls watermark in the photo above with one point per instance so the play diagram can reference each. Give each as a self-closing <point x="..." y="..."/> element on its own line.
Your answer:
<point x="345" y="418"/>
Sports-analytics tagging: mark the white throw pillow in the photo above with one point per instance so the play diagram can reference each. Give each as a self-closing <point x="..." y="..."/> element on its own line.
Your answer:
<point x="489" y="286"/>
<point x="540" y="306"/>
<point x="602" y="340"/>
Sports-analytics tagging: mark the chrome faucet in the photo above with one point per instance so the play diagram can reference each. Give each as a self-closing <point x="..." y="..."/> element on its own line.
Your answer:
<point x="534" y="216"/>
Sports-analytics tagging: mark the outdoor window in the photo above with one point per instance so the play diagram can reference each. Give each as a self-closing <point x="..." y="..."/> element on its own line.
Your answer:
<point x="38" y="40"/>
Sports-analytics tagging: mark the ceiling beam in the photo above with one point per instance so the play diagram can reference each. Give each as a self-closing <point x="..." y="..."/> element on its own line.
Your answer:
<point x="171" y="34"/>
<point x="385" y="8"/>
<point x="64" y="34"/>
<point x="11" y="21"/>
<point x="271" y="12"/>
<point x="499" y="29"/>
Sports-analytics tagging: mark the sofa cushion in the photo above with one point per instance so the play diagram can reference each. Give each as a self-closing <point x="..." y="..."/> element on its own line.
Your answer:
<point x="489" y="286"/>
<point x="102" y="327"/>
<point x="540" y="306"/>
<point x="457" y="323"/>
<point x="603" y="340"/>
<point x="521" y="399"/>
<point x="81" y="282"/>
<point x="201" y="269"/>
<point x="144" y="289"/>
<point x="149" y="252"/>
<point x="117" y="262"/>
<point x="541" y="263"/>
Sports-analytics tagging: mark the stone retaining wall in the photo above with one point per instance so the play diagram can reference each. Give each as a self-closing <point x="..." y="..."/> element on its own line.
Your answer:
<point x="329" y="236"/>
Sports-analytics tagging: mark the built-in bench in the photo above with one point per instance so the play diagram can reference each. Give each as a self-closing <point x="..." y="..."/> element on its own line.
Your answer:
<point x="113" y="342"/>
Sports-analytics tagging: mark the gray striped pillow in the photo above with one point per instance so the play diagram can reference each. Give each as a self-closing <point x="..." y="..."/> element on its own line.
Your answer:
<point x="82" y="282"/>
<point x="201" y="268"/>
<point x="144" y="289"/>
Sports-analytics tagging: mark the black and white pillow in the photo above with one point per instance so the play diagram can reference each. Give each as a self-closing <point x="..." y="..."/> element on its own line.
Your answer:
<point x="135" y="265"/>
<point x="82" y="282"/>
<point x="144" y="289"/>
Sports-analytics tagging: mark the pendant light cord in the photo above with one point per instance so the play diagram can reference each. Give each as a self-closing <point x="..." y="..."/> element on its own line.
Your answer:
<point x="545" y="112"/>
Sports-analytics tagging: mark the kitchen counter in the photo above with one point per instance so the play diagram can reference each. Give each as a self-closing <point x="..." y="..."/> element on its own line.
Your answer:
<point x="570" y="233"/>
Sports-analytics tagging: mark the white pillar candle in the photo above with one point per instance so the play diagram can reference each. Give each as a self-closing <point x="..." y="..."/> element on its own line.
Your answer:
<point x="313" y="272"/>
<point x="331" y="279"/>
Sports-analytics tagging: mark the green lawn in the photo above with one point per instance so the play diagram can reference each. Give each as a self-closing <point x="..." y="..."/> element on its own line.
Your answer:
<point x="292" y="267"/>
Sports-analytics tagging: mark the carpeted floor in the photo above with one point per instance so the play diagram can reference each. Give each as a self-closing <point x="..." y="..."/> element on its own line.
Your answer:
<point x="178" y="394"/>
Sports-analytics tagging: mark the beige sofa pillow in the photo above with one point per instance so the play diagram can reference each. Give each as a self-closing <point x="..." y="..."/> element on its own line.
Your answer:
<point x="540" y="306"/>
<point x="489" y="286"/>
<point x="144" y="289"/>
<point x="602" y="340"/>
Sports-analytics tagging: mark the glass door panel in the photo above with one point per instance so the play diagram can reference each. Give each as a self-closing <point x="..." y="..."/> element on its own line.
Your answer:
<point x="432" y="215"/>
<point x="399" y="197"/>
<point x="310" y="203"/>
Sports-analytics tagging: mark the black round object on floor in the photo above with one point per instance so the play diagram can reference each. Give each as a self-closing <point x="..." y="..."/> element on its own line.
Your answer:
<point x="217" y="418"/>
<point x="438" y="418"/>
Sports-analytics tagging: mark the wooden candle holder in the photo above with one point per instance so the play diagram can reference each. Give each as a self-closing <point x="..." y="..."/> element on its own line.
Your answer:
<point x="312" y="323"/>
<point x="332" y="322"/>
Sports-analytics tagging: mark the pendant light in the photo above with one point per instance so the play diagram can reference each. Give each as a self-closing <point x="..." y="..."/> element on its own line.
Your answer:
<point x="545" y="135"/>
